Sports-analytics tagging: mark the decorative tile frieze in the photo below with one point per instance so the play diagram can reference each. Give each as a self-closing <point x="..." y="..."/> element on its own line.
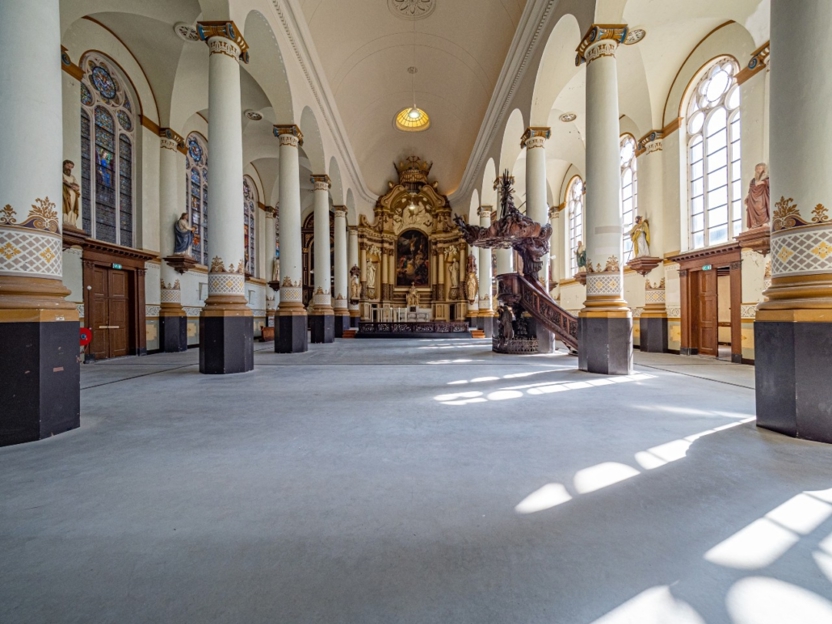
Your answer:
<point x="604" y="284"/>
<point x="802" y="250"/>
<point x="226" y="284"/>
<point x="151" y="310"/>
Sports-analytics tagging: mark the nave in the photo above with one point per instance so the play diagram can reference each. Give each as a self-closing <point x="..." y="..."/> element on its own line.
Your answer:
<point x="426" y="481"/>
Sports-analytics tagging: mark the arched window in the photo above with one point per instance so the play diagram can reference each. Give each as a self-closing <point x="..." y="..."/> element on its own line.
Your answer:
<point x="196" y="179"/>
<point x="629" y="190"/>
<point x="107" y="130"/>
<point x="713" y="126"/>
<point x="249" y="205"/>
<point x="575" y="206"/>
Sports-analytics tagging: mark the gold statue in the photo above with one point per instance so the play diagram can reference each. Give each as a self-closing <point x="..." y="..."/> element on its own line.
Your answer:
<point x="640" y="235"/>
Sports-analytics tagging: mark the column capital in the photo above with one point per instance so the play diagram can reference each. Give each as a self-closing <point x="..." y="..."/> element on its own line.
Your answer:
<point x="485" y="211"/>
<point x="535" y="137"/>
<point x="69" y="67"/>
<point x="340" y="211"/>
<point x="650" y="142"/>
<point x="758" y="62"/>
<point x="600" y="40"/>
<point x="321" y="182"/>
<point x="172" y="140"/>
<point x="554" y="211"/>
<point x="223" y="37"/>
<point x="270" y="211"/>
<point x="288" y="134"/>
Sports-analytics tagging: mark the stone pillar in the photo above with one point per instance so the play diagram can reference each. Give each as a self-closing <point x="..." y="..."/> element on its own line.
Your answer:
<point x="341" y="268"/>
<point x="653" y="321"/>
<point x="322" y="321"/>
<point x="793" y="329"/>
<point x="173" y="321"/>
<point x="555" y="246"/>
<point x="383" y="270"/>
<point x="291" y="333"/>
<point x="485" y="318"/>
<point x="39" y="392"/>
<point x="354" y="267"/>
<point x="440" y="295"/>
<point x="605" y="325"/>
<point x="534" y="140"/>
<point x="271" y="261"/>
<point x="226" y="330"/>
<point x="505" y="261"/>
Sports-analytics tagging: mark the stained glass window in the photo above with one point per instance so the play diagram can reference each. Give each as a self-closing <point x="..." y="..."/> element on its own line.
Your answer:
<point x="575" y="206"/>
<point x="106" y="153"/>
<point x="713" y="128"/>
<point x="629" y="190"/>
<point x="197" y="195"/>
<point x="249" y="215"/>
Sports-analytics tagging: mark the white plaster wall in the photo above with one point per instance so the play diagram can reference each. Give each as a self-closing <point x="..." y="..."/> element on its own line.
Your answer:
<point x="572" y="297"/>
<point x="74" y="274"/>
<point x="152" y="283"/>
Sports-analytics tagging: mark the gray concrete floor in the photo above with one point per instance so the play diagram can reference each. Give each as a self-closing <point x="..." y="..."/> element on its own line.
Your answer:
<point x="416" y="481"/>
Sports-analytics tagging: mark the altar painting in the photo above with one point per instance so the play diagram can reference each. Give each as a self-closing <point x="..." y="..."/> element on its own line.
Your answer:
<point x="412" y="259"/>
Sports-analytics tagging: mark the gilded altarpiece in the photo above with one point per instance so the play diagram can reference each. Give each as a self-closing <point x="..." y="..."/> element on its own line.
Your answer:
<point x="412" y="243"/>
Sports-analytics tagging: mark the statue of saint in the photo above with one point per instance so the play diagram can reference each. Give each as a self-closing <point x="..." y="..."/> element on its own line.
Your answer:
<point x="412" y="297"/>
<point x="506" y="328"/>
<point x="640" y="235"/>
<point x="371" y="275"/>
<point x="452" y="258"/>
<point x="580" y="254"/>
<point x="757" y="203"/>
<point x="355" y="284"/>
<point x="184" y="233"/>
<point x="276" y="270"/>
<point x="72" y="196"/>
<point x="471" y="287"/>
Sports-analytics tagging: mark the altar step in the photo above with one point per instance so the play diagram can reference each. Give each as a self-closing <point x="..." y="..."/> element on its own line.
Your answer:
<point x="477" y="333"/>
<point x="349" y="333"/>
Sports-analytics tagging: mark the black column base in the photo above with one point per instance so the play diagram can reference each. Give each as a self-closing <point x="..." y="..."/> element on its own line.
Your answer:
<point x="605" y="345"/>
<point x="322" y="327"/>
<point x="792" y="363"/>
<point x="480" y="322"/>
<point x="472" y="321"/>
<point x="354" y="320"/>
<point x="653" y="334"/>
<point x="489" y="325"/>
<point x="173" y="334"/>
<point x="342" y="322"/>
<point x="40" y="392"/>
<point x="226" y="344"/>
<point x="292" y="336"/>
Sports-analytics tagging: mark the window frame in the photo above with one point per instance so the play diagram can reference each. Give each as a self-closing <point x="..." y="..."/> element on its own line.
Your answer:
<point x="576" y="226"/>
<point x="632" y="166"/>
<point x="203" y="169"/>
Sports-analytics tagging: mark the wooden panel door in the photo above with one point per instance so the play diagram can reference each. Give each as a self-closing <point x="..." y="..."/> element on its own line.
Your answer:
<point x="708" y="313"/>
<point x="118" y="309"/>
<point x="99" y="321"/>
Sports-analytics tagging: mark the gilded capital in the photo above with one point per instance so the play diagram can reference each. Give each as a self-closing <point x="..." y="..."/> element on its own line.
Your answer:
<point x="224" y="38"/>
<point x="172" y="140"/>
<point x="485" y="211"/>
<point x="321" y="182"/>
<point x="600" y="40"/>
<point x="340" y="211"/>
<point x="289" y="135"/>
<point x="270" y="211"/>
<point x="535" y="137"/>
<point x="554" y="211"/>
<point x="758" y="62"/>
<point x="650" y="142"/>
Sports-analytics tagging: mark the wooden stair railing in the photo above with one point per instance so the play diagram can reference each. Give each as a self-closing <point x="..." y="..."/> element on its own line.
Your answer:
<point x="533" y="299"/>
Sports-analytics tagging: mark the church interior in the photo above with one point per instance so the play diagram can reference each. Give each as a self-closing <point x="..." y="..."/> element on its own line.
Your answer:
<point x="415" y="311"/>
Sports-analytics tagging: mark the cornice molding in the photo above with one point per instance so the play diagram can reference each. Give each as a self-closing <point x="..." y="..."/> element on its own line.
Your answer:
<point x="298" y="35"/>
<point x="523" y="45"/>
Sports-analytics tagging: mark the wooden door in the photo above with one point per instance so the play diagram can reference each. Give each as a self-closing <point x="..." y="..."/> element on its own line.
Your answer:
<point x="118" y="312"/>
<point x="100" y="316"/>
<point x="708" y="313"/>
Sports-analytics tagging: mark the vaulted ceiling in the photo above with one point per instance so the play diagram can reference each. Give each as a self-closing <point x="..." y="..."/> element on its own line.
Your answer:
<point x="366" y="48"/>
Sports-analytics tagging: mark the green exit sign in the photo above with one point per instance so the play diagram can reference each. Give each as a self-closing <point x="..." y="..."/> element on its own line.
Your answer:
<point x="706" y="267"/>
<point x="118" y="266"/>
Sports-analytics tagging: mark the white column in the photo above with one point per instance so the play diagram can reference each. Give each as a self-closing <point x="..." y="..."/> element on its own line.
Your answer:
<point x="485" y="304"/>
<point x="554" y="259"/>
<point x="171" y="206"/>
<point x="322" y="298"/>
<point x="271" y="261"/>
<point x="353" y="264"/>
<point x="31" y="158"/>
<point x="291" y="253"/>
<point x="604" y="235"/>
<point x="341" y="267"/>
<point x="651" y="195"/>
<point x="534" y="140"/>
<point x="226" y="246"/>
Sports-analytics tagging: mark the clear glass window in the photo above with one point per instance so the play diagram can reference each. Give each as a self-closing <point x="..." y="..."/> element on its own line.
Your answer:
<point x="575" y="207"/>
<point x="629" y="190"/>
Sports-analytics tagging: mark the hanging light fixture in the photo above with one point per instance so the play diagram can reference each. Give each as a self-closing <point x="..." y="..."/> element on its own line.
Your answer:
<point x="413" y="118"/>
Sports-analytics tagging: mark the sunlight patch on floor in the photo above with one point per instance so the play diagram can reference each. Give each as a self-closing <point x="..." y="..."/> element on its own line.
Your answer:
<point x="760" y="600"/>
<point x="656" y="605"/>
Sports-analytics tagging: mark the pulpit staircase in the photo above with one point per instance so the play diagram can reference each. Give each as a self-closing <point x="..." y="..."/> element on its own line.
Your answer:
<point x="531" y="297"/>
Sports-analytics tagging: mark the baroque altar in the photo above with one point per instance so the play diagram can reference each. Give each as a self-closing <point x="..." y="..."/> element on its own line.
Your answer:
<point x="412" y="258"/>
